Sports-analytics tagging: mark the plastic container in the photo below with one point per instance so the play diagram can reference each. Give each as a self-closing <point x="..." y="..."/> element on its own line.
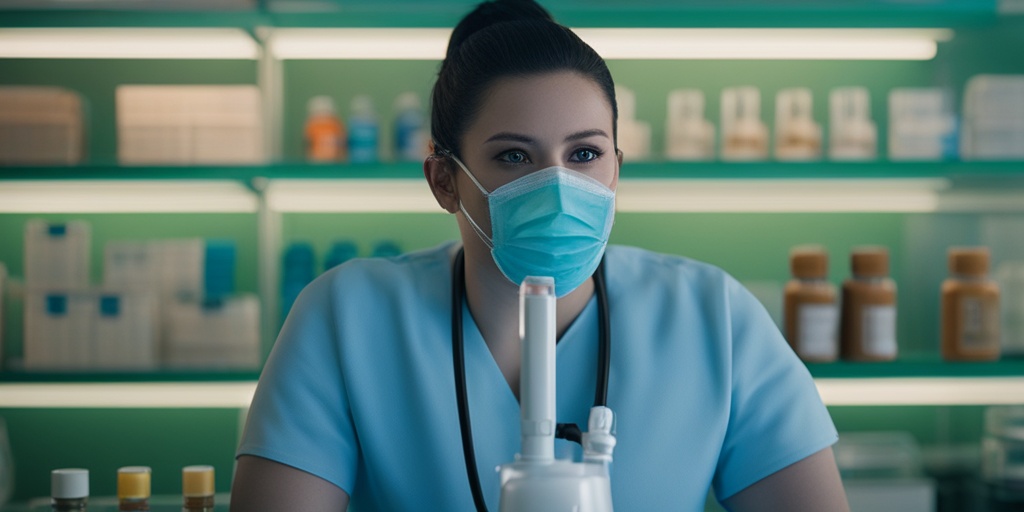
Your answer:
<point x="877" y="455"/>
<point x="56" y="255"/>
<point x="125" y="332"/>
<point x="363" y="131"/>
<point x="922" y="125"/>
<point x="868" y="321"/>
<point x="174" y="268"/>
<point x="90" y="329"/>
<point x="69" y="490"/>
<point x="1010" y="277"/>
<point x="852" y="133"/>
<point x="298" y="272"/>
<point x="189" y="124"/>
<point x="41" y="126"/>
<point x="197" y="488"/>
<point x="744" y="135"/>
<point x="812" y="315"/>
<point x="324" y="132"/>
<point x="1002" y="462"/>
<point x="412" y="139"/>
<point x="386" y="249"/>
<point x="993" y="118"/>
<point x="688" y="135"/>
<point x="213" y="335"/>
<point x="797" y="135"/>
<point x="58" y="330"/>
<point x="634" y="137"/>
<point x="133" y="488"/>
<point x="970" y="308"/>
<point x="340" y="252"/>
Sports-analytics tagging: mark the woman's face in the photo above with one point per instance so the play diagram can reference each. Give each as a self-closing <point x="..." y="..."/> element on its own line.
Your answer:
<point x="530" y="123"/>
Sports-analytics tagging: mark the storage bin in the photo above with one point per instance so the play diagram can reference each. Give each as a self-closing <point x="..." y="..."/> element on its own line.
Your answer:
<point x="57" y="255"/>
<point x="222" y="334"/>
<point x="40" y="126"/>
<point x="189" y="124"/>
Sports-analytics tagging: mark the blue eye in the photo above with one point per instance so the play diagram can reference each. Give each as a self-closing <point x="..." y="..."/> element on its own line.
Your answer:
<point x="584" y="155"/>
<point x="514" y="157"/>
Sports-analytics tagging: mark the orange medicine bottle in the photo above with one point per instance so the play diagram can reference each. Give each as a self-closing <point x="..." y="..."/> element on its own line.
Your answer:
<point x="325" y="134"/>
<point x="868" y="321"/>
<point x="811" y="315"/>
<point x="970" y="308"/>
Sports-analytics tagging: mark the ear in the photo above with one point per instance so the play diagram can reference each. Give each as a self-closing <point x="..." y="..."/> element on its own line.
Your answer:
<point x="441" y="180"/>
<point x="618" y="168"/>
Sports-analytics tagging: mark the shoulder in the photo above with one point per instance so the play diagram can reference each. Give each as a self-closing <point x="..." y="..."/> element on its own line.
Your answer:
<point x="638" y="269"/>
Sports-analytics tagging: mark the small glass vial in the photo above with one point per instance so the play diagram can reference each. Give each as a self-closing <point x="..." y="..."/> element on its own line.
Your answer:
<point x="133" y="488"/>
<point x="970" y="308"/>
<point x="868" y="322"/>
<point x="69" y="490"/>
<point x="197" y="488"/>
<point x="812" y="318"/>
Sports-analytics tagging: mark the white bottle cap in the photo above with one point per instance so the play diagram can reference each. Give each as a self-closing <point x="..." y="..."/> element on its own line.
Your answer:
<point x="407" y="101"/>
<point x="320" y="105"/>
<point x="362" y="106"/>
<point x="69" y="484"/>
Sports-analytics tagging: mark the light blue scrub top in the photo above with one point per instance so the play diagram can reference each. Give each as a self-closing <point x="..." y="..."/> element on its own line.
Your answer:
<point x="359" y="388"/>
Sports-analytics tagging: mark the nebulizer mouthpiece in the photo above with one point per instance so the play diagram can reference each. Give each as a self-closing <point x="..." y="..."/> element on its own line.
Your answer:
<point x="536" y="481"/>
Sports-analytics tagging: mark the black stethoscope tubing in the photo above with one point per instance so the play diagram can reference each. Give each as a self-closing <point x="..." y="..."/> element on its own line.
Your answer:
<point x="459" y="362"/>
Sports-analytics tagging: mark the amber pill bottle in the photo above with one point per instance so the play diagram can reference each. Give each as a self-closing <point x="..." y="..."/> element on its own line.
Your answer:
<point x="868" y="320"/>
<point x="811" y="315"/>
<point x="970" y="308"/>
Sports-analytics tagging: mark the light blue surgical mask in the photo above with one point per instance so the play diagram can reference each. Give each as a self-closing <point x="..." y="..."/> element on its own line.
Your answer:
<point x="553" y="222"/>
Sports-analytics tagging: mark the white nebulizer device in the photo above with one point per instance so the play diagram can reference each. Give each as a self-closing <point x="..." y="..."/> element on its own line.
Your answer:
<point x="536" y="481"/>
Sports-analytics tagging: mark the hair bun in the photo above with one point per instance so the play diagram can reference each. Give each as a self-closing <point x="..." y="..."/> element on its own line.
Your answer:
<point x="492" y="13"/>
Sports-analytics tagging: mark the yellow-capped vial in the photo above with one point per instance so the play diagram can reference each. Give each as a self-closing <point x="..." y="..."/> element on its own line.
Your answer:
<point x="69" y="490"/>
<point x="133" y="487"/>
<point x="197" y="488"/>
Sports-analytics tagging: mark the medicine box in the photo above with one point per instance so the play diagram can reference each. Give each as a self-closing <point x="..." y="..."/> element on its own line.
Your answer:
<point x="221" y="334"/>
<point x="40" y="126"/>
<point x="189" y="124"/>
<point x="56" y="255"/>
<point x="91" y="329"/>
<point x="921" y="125"/>
<point x="993" y="118"/>
<point x="168" y="268"/>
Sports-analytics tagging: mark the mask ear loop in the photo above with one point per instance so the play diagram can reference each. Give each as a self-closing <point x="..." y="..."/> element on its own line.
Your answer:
<point x="476" y="227"/>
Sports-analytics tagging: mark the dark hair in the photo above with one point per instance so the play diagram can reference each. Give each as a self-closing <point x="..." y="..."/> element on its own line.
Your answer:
<point x="505" y="38"/>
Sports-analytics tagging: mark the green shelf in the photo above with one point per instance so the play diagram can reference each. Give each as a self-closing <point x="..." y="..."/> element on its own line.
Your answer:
<point x="918" y="366"/>
<point x="13" y="376"/>
<point x="579" y="13"/>
<point x="958" y="172"/>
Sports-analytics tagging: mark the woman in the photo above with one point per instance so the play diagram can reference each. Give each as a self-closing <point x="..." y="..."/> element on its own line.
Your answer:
<point x="357" y="401"/>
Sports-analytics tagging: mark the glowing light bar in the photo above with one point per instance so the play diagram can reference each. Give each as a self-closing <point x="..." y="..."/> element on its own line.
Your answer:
<point x="779" y="195"/>
<point x="352" y="196"/>
<point x="834" y="392"/>
<point x="773" y="44"/>
<point x="122" y="196"/>
<point x="229" y="395"/>
<point x="631" y="43"/>
<point x="359" y="43"/>
<point x="127" y="43"/>
<point x="922" y="391"/>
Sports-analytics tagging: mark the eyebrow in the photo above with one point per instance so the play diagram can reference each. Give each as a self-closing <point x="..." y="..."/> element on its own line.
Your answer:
<point x="518" y="137"/>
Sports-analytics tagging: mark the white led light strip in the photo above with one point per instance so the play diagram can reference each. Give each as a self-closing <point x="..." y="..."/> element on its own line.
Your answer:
<point x="127" y="43"/>
<point x="631" y="43"/>
<point x="834" y="392"/>
<point x="126" y="196"/>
